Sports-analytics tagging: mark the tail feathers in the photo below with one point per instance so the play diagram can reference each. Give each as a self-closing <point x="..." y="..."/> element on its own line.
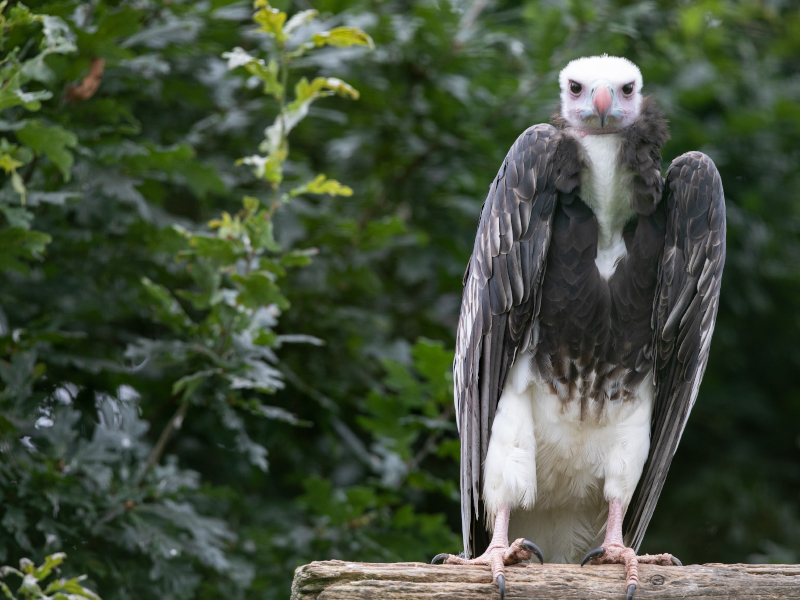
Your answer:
<point x="564" y="534"/>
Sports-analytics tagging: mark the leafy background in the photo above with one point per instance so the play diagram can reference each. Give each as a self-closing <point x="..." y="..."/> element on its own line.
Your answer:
<point x="193" y="405"/>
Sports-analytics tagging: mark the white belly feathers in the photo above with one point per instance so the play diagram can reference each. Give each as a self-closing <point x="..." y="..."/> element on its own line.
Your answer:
<point x="557" y="470"/>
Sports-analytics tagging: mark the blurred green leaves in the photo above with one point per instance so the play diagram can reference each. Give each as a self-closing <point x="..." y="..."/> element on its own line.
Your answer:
<point x="18" y="68"/>
<point x="226" y="331"/>
<point x="52" y="141"/>
<point x="322" y="185"/>
<point x="274" y="74"/>
<point x="209" y="296"/>
<point x="32" y="578"/>
<point x="342" y="37"/>
<point x="271" y="20"/>
<point x="265" y="71"/>
<point x="409" y="421"/>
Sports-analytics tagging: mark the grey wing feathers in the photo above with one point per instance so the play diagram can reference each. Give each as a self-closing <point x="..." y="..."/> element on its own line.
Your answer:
<point x="685" y="310"/>
<point x="501" y="297"/>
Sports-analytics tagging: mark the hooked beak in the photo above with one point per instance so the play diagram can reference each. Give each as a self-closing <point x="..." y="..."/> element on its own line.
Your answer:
<point x="602" y="101"/>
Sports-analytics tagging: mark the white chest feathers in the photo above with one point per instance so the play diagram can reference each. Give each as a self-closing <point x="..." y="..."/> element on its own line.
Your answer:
<point x="606" y="188"/>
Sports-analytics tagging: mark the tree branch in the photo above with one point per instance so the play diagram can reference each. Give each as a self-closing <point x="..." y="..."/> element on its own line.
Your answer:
<point x="341" y="580"/>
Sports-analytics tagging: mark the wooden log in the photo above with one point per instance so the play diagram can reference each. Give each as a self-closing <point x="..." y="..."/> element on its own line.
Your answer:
<point x="340" y="580"/>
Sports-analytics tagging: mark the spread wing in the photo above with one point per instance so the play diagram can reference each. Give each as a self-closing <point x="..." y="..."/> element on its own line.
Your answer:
<point x="500" y="302"/>
<point x="684" y="312"/>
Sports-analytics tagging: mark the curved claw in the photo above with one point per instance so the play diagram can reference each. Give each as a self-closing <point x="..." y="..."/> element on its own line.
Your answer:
<point x="596" y="552"/>
<point x="631" y="591"/>
<point x="535" y="550"/>
<point x="676" y="561"/>
<point x="501" y="583"/>
<point x="438" y="556"/>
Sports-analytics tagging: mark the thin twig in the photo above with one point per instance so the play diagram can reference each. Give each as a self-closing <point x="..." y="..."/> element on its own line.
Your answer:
<point x="426" y="449"/>
<point x="431" y="442"/>
<point x="155" y="455"/>
<point x="31" y="168"/>
<point x="468" y="20"/>
<point x="174" y="423"/>
<point x="313" y="393"/>
<point x="350" y="439"/>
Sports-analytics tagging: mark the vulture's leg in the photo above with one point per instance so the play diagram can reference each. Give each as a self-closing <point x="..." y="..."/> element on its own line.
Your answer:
<point x="499" y="553"/>
<point x="613" y="550"/>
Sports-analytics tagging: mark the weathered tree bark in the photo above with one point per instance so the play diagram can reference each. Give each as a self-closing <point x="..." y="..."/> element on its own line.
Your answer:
<point x="339" y="580"/>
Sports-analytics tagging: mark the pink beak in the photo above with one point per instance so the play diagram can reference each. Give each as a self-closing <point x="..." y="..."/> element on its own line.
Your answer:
<point x="602" y="103"/>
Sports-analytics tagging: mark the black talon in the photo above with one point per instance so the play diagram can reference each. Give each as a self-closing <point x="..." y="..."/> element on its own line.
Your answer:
<point x="596" y="552"/>
<point x="631" y="591"/>
<point x="534" y="549"/>
<point x="676" y="561"/>
<point x="501" y="583"/>
<point x="438" y="556"/>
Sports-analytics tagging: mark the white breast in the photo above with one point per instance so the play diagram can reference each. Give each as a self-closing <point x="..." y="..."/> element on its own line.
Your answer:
<point x="606" y="188"/>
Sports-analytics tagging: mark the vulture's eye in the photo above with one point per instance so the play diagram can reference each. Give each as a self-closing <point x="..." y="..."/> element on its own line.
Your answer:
<point x="575" y="87"/>
<point x="627" y="89"/>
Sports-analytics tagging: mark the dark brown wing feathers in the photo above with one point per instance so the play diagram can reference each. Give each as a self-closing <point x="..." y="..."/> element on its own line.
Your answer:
<point x="685" y="309"/>
<point x="500" y="300"/>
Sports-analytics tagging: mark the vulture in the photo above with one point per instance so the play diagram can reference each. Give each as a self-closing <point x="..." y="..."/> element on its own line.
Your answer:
<point x="588" y="308"/>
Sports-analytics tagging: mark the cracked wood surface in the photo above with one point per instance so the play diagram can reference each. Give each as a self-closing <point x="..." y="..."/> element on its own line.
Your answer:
<point x="341" y="580"/>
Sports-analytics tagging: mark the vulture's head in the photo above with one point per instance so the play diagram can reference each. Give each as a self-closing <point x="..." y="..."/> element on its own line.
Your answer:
<point x="600" y="94"/>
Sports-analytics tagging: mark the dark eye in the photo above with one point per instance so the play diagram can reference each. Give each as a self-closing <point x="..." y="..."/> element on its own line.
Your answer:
<point x="575" y="87"/>
<point x="627" y="89"/>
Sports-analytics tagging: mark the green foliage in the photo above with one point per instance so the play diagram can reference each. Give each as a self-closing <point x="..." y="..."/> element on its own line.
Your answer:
<point x="33" y="577"/>
<point x="342" y="36"/>
<point x="226" y="330"/>
<point x="169" y="413"/>
<point x="50" y="141"/>
<point x="409" y="424"/>
<point x="18" y="25"/>
<point x="274" y="75"/>
<point x="210" y="298"/>
<point x="20" y="69"/>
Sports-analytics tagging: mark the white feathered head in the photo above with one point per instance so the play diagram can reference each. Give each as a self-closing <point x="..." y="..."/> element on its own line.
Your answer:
<point x="600" y="94"/>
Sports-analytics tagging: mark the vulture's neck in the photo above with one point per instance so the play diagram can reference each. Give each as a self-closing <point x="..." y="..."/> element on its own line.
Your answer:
<point x="606" y="187"/>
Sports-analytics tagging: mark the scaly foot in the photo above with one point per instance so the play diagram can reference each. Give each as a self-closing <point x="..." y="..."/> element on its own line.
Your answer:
<point x="614" y="553"/>
<point x="497" y="556"/>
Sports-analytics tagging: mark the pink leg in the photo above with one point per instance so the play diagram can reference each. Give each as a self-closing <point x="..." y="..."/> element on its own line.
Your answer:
<point x="499" y="553"/>
<point x="613" y="550"/>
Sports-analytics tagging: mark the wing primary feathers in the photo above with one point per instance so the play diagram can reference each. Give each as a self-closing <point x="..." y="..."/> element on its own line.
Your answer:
<point x="501" y="295"/>
<point x="684" y="312"/>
